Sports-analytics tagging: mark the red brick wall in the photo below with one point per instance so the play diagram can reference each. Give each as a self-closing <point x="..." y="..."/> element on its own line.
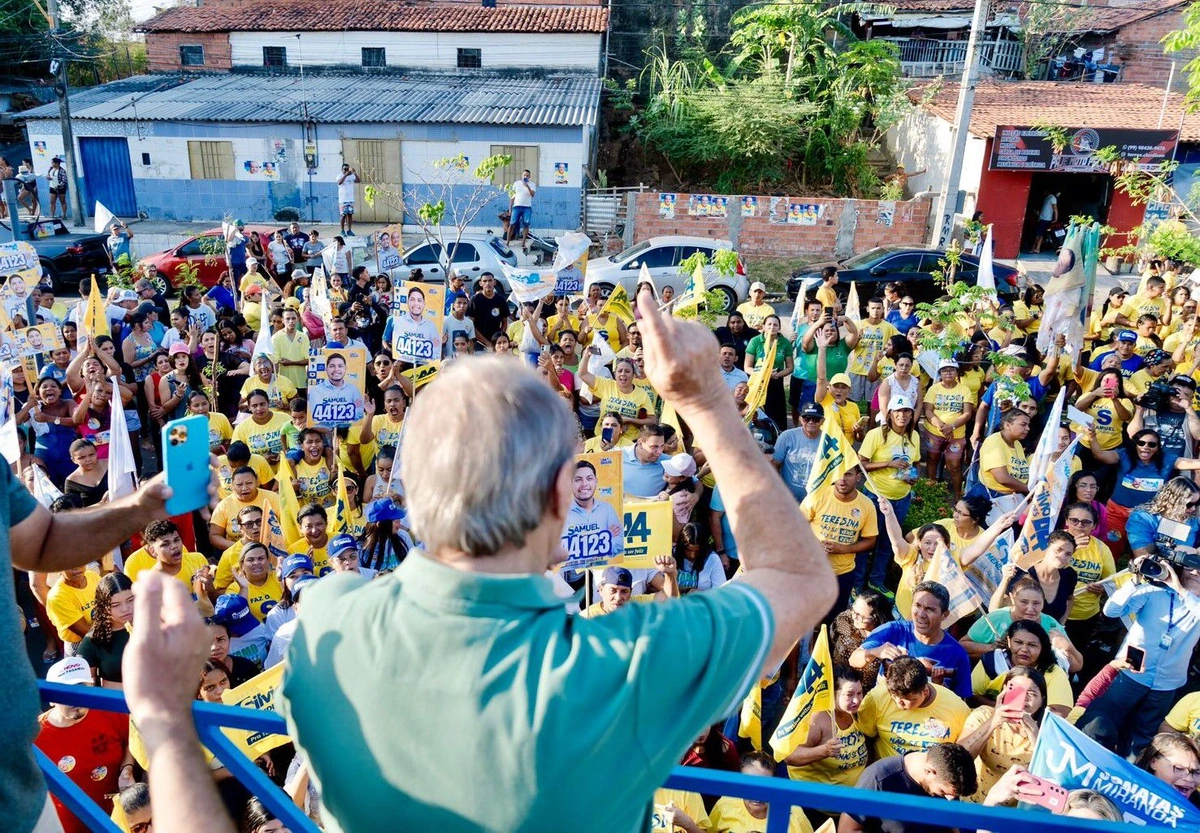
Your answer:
<point x="758" y="237"/>
<point x="162" y="51"/>
<point x="1147" y="63"/>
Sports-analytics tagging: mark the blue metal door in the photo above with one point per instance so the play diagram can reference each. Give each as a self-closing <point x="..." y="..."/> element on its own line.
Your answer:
<point x="108" y="176"/>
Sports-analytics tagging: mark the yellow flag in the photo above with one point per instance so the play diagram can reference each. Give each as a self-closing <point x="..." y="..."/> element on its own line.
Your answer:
<point x="289" y="504"/>
<point x="835" y="456"/>
<point x="852" y="306"/>
<point x="759" y="380"/>
<point x="423" y="375"/>
<point x="750" y="719"/>
<point x="342" y="507"/>
<point x="693" y="294"/>
<point x="814" y="693"/>
<point x="256" y="693"/>
<point x="618" y="304"/>
<point x="95" y="315"/>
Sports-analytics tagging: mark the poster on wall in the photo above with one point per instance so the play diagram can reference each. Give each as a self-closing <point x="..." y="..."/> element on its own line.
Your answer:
<point x="698" y="205"/>
<point x="1024" y="148"/>
<point x="887" y="213"/>
<point x="39" y="148"/>
<point x="560" y="173"/>
<point x="666" y="206"/>
<point x="719" y="207"/>
<point x="803" y="214"/>
<point x="279" y="146"/>
<point x="749" y="206"/>
<point x="261" y="170"/>
<point x="779" y="210"/>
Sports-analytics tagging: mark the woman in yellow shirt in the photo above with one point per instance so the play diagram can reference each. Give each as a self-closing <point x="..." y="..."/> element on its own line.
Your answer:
<point x="1110" y="409"/>
<point x="263" y="432"/>
<point x="835" y="751"/>
<point x="619" y="394"/>
<point x="740" y="815"/>
<point x="280" y="391"/>
<point x="1003" y="735"/>
<point x="220" y="432"/>
<point x="948" y="409"/>
<point x="1028" y="311"/>
<point x="1003" y="468"/>
<point x="970" y="369"/>
<point x="255" y="581"/>
<point x="890" y="454"/>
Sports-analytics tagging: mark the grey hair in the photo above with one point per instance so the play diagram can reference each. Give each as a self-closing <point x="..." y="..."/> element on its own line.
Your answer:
<point x="1095" y="802"/>
<point x="484" y="446"/>
<point x="134" y="798"/>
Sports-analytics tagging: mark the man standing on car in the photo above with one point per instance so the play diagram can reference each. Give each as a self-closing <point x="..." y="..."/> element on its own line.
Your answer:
<point x="521" y="206"/>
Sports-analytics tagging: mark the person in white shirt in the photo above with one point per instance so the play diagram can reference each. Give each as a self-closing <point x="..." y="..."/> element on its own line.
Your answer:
<point x="283" y="636"/>
<point x="521" y="207"/>
<point x="346" y="183"/>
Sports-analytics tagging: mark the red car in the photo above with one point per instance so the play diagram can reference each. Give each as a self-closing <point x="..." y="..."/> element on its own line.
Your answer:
<point x="206" y="251"/>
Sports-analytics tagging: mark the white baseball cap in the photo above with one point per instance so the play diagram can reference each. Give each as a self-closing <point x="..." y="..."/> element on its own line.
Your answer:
<point x="70" y="671"/>
<point x="899" y="403"/>
<point x="944" y="363"/>
<point x="680" y="465"/>
<point x="757" y="285"/>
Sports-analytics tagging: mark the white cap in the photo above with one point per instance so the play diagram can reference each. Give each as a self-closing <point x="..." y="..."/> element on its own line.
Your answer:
<point x="944" y="363"/>
<point x="899" y="403"/>
<point x="70" y="671"/>
<point x="680" y="465"/>
<point x="757" y="285"/>
<point x="126" y="295"/>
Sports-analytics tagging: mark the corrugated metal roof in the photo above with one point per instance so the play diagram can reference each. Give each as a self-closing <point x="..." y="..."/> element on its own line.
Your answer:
<point x="412" y="98"/>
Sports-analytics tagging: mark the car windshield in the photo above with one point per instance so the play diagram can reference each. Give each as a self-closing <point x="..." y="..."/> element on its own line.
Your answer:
<point x="868" y="258"/>
<point x="631" y="252"/>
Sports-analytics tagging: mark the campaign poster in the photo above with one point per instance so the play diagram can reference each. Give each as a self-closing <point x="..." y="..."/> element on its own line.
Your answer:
<point x="666" y="205"/>
<point x="749" y="206"/>
<point x="560" y="173"/>
<point x="887" y="213"/>
<point x="698" y="205"/>
<point x="417" y="322"/>
<point x="33" y="341"/>
<point x="20" y="262"/>
<point x="718" y="207"/>
<point x="803" y="214"/>
<point x="648" y="529"/>
<point x="569" y="280"/>
<point x="779" y="211"/>
<point x="594" y="534"/>
<point x="337" y="377"/>
<point x="389" y="245"/>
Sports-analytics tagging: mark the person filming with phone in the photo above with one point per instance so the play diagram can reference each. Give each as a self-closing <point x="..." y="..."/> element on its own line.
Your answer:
<point x="1163" y="600"/>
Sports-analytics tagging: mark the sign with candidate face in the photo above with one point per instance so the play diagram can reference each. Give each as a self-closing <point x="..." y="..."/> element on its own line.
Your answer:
<point x="594" y="532"/>
<point x="337" y="377"/>
<point x="389" y="243"/>
<point x="33" y="341"/>
<point x="417" y="322"/>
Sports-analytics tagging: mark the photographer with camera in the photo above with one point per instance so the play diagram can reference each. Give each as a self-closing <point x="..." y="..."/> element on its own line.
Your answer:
<point x="1166" y="407"/>
<point x="1163" y="600"/>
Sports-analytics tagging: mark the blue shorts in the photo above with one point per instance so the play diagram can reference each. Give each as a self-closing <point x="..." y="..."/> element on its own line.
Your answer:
<point x="348" y="209"/>
<point x="520" y="218"/>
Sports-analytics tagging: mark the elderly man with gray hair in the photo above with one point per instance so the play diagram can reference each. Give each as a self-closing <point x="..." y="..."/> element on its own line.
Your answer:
<point x="457" y="694"/>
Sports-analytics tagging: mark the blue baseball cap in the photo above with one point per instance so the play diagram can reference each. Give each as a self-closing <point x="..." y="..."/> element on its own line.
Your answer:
<point x="1128" y="336"/>
<point x="618" y="576"/>
<point x="301" y="583"/>
<point x="292" y="563"/>
<point x="340" y="543"/>
<point x="384" y="509"/>
<point x="233" y="612"/>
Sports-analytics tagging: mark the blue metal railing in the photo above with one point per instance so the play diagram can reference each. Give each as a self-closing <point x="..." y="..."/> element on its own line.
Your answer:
<point x="778" y="792"/>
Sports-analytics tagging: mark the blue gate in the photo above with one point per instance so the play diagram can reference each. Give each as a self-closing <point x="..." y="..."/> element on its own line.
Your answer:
<point x="107" y="176"/>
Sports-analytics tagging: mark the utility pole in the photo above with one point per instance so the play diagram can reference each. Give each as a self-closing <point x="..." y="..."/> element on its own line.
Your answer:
<point x="947" y="203"/>
<point x="59" y="67"/>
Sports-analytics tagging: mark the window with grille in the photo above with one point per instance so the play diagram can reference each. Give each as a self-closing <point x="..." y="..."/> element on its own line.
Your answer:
<point x="524" y="157"/>
<point x="374" y="56"/>
<point x="211" y="160"/>
<point x="470" y="58"/>
<point x="275" y="56"/>
<point x="191" y="55"/>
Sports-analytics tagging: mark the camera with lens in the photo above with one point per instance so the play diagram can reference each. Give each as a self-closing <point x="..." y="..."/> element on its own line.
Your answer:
<point x="1154" y="567"/>
<point x="1158" y="396"/>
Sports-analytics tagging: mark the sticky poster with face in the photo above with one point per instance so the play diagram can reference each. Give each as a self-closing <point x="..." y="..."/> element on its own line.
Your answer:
<point x="594" y="534"/>
<point x="337" y="377"/>
<point x="33" y="341"/>
<point x="417" y="323"/>
<point x="389" y="243"/>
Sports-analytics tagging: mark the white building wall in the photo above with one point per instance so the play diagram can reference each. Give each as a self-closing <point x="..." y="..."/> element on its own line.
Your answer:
<point x="418" y="158"/>
<point x="922" y="143"/>
<point x="424" y="50"/>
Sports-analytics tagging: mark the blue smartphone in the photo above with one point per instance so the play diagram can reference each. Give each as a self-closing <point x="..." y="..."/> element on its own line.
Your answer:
<point x="185" y="457"/>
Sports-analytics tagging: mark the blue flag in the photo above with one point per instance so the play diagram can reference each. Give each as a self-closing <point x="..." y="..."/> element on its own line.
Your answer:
<point x="1069" y="758"/>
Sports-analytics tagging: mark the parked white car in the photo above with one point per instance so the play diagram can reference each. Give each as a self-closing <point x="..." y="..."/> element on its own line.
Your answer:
<point x="474" y="255"/>
<point x="662" y="256"/>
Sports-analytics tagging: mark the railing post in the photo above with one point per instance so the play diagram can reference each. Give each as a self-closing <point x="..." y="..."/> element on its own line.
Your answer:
<point x="75" y="799"/>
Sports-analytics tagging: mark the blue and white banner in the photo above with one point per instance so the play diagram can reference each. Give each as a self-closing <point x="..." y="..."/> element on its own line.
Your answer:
<point x="1069" y="758"/>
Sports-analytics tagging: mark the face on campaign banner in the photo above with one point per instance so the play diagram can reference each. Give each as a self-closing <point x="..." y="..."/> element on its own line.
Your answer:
<point x="43" y="338"/>
<point x="389" y="242"/>
<point x="594" y="532"/>
<point x="417" y="322"/>
<point x="336" y="381"/>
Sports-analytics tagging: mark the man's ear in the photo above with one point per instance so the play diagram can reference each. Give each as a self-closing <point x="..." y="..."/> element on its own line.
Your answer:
<point x="561" y="496"/>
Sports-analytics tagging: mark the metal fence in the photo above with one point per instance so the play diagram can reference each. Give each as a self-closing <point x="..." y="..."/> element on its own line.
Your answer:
<point x="778" y="792"/>
<point x="926" y="58"/>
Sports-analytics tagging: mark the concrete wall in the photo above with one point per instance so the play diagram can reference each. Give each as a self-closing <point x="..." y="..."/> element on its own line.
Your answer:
<point x="844" y="227"/>
<point x="921" y="142"/>
<point x="166" y="191"/>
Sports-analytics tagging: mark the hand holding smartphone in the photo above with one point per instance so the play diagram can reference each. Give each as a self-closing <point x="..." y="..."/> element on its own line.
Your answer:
<point x="185" y="459"/>
<point x="1136" y="657"/>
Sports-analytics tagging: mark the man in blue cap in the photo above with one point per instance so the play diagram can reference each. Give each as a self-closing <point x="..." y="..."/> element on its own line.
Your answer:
<point x="291" y="569"/>
<point x="344" y="556"/>
<point x="1125" y="349"/>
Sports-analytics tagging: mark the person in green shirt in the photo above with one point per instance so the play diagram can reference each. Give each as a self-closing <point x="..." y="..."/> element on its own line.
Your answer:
<point x="756" y="353"/>
<point x="458" y="694"/>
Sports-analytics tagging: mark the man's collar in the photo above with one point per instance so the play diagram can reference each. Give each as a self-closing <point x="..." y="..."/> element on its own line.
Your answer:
<point x="432" y="580"/>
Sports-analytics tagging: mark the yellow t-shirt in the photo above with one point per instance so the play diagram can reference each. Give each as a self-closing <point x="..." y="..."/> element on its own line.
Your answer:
<point x="592" y="444"/>
<point x="840" y="522"/>
<point x="1092" y="563"/>
<point x="897" y="731"/>
<point x="261" y="597"/>
<point x="876" y="448"/>
<point x="1185" y="715"/>
<point x="611" y="330"/>
<point x="556" y="324"/>
<point x="319" y="556"/>
<point x="265" y="439"/>
<point x="755" y="315"/>
<point x="280" y="390"/>
<point x="995" y="453"/>
<point x="1139" y="382"/>
<point x="636" y="403"/>
<point x="386" y="432"/>
<point x="847" y="415"/>
<point x="366" y="453"/>
<point x="220" y="432"/>
<point x="871" y="339"/>
<point x="225" y="473"/>
<point x="315" y="484"/>
<point x="1021" y="311"/>
<point x="1058" y="687"/>
<point x="948" y="404"/>
<point x="226" y="513"/>
<point x="1140" y="305"/>
<point x="957" y="542"/>
<point x="1007" y="745"/>
<point x="730" y="815"/>
<point x="690" y="803"/>
<point x="293" y="351"/>
<point x="143" y="560"/>
<point x="827" y="296"/>
<point x="1108" y="425"/>
<point x="973" y="379"/>
<point x="250" y="279"/>
<point x="66" y="605"/>
<point x="912" y="572"/>
<point x="844" y="769"/>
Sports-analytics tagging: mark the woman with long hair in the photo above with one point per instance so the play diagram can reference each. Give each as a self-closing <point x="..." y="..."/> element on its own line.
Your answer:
<point x="1028" y="310"/>
<point x="1111" y="410"/>
<point x="1173" y="759"/>
<point x="835" y="751"/>
<point x="1104" y="318"/>
<point x="384" y="543"/>
<point x="160" y="366"/>
<point x="948" y="408"/>
<point x="772" y="343"/>
<point x="105" y="643"/>
<point x="1003" y="735"/>
<point x="697" y="571"/>
<point x="967" y="521"/>
<point x="90" y="479"/>
<point x="1083" y="487"/>
<point x="898" y="378"/>
<point x="53" y="419"/>
<point x="1024" y="644"/>
<point x="890" y="455"/>
<point x="867" y="612"/>
<point x="1177" y="501"/>
<point x="183" y="378"/>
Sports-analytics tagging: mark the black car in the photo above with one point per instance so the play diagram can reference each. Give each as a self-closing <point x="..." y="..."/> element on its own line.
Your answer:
<point x="912" y="267"/>
<point x="66" y="257"/>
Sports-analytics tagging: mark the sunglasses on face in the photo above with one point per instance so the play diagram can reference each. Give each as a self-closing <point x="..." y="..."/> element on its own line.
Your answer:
<point x="1147" y="444"/>
<point x="1193" y="504"/>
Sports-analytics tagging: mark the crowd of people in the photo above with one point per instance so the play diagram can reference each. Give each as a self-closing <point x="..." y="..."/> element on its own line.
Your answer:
<point x="1099" y="628"/>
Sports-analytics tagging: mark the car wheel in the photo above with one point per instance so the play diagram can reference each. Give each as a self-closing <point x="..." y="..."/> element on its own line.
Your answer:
<point x="606" y="289"/>
<point x="728" y="300"/>
<point x="160" y="285"/>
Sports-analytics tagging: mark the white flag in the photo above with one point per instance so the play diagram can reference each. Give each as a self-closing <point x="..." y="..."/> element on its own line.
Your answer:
<point x="122" y="470"/>
<point x="571" y="246"/>
<point x="45" y="491"/>
<point x="852" y="306"/>
<point x="10" y="446"/>
<point x="987" y="273"/>
<point x="103" y="218"/>
<point x="264" y="346"/>
<point x="1047" y="445"/>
